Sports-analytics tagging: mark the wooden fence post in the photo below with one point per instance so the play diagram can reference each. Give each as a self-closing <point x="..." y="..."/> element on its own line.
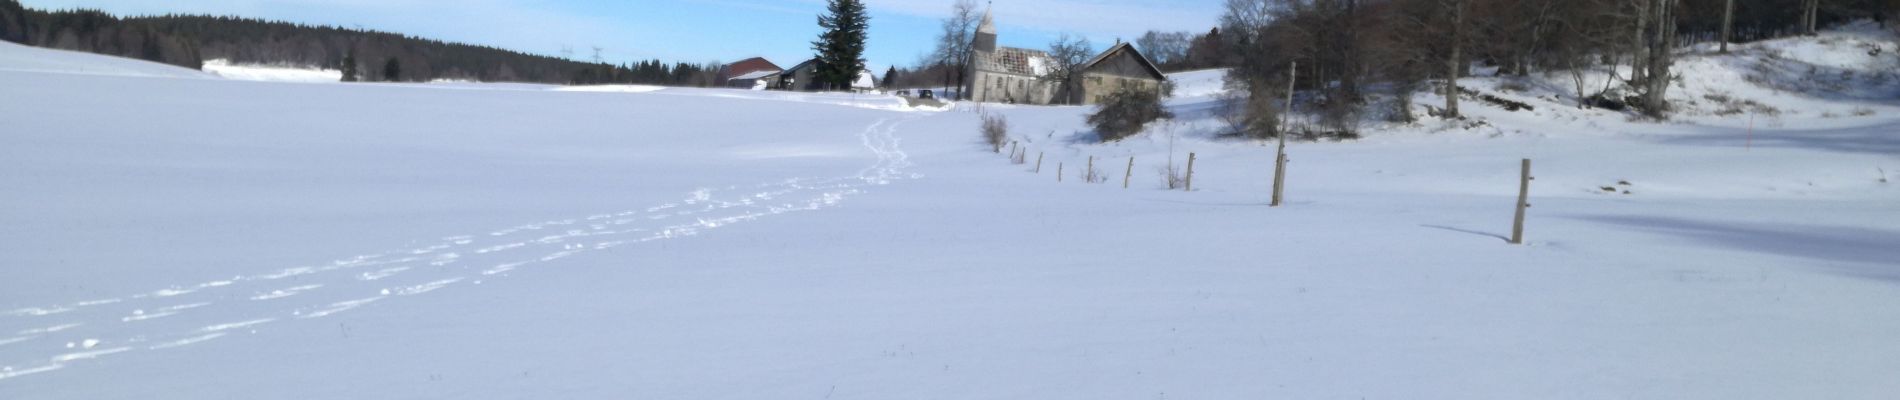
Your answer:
<point x="1058" y="172"/>
<point x="1279" y="176"/>
<point x="1012" y="150"/>
<point x="1279" y="158"/>
<point x="1523" y="202"/>
<point x="1038" y="162"/>
<point x="1131" y="172"/>
<point x="1190" y="173"/>
<point x="1088" y="175"/>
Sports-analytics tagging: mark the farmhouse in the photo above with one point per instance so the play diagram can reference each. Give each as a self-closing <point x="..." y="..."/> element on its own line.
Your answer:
<point x="1121" y="67"/>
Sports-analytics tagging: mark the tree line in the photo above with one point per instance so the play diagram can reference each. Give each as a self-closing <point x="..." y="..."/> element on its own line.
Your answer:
<point x="1344" y="53"/>
<point x="189" y="40"/>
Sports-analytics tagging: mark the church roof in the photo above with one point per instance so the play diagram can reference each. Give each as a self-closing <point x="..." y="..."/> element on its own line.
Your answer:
<point x="1015" y="61"/>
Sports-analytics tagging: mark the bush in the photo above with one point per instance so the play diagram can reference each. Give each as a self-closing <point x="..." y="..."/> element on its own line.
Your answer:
<point x="1126" y="112"/>
<point x="995" y="131"/>
<point x="1172" y="175"/>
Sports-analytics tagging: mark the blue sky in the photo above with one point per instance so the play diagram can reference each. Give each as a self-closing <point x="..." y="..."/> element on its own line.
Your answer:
<point x="692" y="30"/>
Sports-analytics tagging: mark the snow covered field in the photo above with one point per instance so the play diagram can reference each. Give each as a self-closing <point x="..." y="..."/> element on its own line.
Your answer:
<point x="209" y="238"/>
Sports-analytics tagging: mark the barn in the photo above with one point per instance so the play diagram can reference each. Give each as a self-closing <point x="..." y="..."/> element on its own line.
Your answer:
<point x="752" y="73"/>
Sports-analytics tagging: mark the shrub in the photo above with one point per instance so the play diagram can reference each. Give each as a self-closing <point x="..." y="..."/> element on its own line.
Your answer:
<point x="1126" y="112"/>
<point x="995" y="131"/>
<point x="1172" y="175"/>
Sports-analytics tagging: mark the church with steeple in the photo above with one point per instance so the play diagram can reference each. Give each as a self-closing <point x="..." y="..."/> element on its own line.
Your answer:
<point x="1018" y="76"/>
<point x="1007" y="74"/>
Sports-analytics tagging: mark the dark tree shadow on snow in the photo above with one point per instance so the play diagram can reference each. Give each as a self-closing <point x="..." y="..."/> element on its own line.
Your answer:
<point x="1851" y="251"/>
<point x="1876" y="139"/>
<point x="1469" y="231"/>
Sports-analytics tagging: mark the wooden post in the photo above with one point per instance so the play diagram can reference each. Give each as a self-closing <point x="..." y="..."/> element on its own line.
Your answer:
<point x="1012" y="150"/>
<point x="1131" y="173"/>
<point x="1088" y="175"/>
<point x="1523" y="201"/>
<point x="1038" y="162"/>
<point x="1058" y="172"/>
<point x="1279" y="158"/>
<point x="1189" y="186"/>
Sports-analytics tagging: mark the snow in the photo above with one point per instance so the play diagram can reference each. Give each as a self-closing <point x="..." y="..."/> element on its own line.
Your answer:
<point x="526" y="241"/>
<point x="16" y="58"/>
<point x="271" y="73"/>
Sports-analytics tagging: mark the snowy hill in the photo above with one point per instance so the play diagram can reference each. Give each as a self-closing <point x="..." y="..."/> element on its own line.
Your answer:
<point x="18" y="58"/>
<point x="211" y="238"/>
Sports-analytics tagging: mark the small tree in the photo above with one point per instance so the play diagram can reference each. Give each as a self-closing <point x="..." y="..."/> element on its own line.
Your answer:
<point x="995" y="131"/>
<point x="392" y="70"/>
<point x="349" y="68"/>
<point x="1067" y="54"/>
<point x="1125" y="112"/>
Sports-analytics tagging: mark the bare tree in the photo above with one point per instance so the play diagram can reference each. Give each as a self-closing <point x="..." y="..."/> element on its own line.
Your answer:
<point x="1728" y="23"/>
<point x="1164" y="48"/>
<point x="1456" y="62"/>
<point x="954" y="45"/>
<point x="1067" y="54"/>
<point x="1661" y="49"/>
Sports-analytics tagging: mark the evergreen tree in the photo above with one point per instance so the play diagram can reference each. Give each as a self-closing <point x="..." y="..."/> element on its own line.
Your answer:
<point x="890" y="78"/>
<point x="392" y="70"/>
<point x="841" y="47"/>
<point x="349" y="67"/>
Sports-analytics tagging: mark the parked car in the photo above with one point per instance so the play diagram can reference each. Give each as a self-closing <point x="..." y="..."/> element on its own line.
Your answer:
<point x="926" y="94"/>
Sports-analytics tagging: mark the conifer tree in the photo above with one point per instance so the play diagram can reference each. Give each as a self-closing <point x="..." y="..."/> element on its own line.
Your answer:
<point x="349" y="67"/>
<point x="841" y="47"/>
<point x="392" y="70"/>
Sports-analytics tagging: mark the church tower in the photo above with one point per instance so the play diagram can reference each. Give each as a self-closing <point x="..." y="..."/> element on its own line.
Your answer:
<point x="985" y="34"/>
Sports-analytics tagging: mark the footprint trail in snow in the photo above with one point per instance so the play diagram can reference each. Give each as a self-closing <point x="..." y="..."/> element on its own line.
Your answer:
<point x="49" y="338"/>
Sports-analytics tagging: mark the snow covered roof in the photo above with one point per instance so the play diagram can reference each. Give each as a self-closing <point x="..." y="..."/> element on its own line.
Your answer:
<point x="755" y="75"/>
<point x="1015" y="61"/>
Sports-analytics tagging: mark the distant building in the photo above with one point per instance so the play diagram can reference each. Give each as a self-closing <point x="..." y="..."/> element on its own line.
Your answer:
<point x="803" y="78"/>
<point x="1013" y="75"/>
<point x="799" y="78"/>
<point x="753" y="73"/>
<point x="1121" y="67"/>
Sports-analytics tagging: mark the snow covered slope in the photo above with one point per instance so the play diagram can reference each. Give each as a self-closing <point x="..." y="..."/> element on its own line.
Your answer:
<point x="18" y="58"/>
<point x="222" y="239"/>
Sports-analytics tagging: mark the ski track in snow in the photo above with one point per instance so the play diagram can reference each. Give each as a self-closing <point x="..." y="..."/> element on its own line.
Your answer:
<point x="56" y="336"/>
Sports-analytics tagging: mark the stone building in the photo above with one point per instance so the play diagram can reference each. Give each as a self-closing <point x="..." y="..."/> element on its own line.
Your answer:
<point x="1020" y="76"/>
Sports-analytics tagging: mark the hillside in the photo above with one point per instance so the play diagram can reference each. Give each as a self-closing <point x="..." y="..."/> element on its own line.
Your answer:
<point x="216" y="238"/>
<point x="190" y="41"/>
